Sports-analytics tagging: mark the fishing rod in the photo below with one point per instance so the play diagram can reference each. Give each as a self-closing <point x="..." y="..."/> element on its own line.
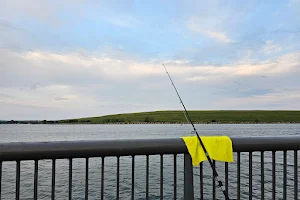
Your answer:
<point x="215" y="173"/>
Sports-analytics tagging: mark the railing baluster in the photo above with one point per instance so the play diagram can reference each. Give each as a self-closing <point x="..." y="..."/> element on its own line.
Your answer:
<point x="18" y="180"/>
<point x="161" y="176"/>
<point x="118" y="177"/>
<point x="132" y="179"/>
<point x="214" y="182"/>
<point x="70" y="178"/>
<point x="250" y="175"/>
<point x="295" y="174"/>
<point x="238" y="175"/>
<point x="273" y="175"/>
<point x="284" y="175"/>
<point x="147" y="177"/>
<point x="53" y="180"/>
<point x="35" y="179"/>
<point x="262" y="175"/>
<point x="175" y="176"/>
<point x="102" y="179"/>
<point x="188" y="178"/>
<point x="86" y="178"/>
<point x="201" y="181"/>
<point x="0" y="178"/>
<point x="226" y="177"/>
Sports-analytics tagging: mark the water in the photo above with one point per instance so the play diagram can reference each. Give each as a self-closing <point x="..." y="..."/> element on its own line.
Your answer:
<point x="30" y="133"/>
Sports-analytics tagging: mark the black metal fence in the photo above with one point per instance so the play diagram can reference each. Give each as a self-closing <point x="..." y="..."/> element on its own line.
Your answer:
<point x="262" y="167"/>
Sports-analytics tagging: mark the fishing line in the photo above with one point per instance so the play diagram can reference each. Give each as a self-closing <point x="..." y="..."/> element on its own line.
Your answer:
<point x="215" y="173"/>
<point x="186" y="117"/>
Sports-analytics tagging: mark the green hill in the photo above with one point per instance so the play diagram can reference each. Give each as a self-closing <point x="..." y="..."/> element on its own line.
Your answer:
<point x="213" y="116"/>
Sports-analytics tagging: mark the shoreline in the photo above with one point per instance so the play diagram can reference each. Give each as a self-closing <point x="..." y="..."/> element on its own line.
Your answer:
<point x="122" y="123"/>
<point x="177" y="117"/>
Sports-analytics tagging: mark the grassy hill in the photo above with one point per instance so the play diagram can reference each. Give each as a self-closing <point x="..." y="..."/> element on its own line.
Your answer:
<point x="213" y="116"/>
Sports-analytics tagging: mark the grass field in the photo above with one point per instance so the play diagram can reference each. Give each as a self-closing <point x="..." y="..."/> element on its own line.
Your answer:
<point x="213" y="116"/>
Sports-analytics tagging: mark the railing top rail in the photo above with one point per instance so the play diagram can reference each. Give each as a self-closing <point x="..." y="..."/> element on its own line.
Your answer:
<point x="82" y="149"/>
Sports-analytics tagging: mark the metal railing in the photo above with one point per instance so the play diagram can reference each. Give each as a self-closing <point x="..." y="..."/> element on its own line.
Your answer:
<point x="260" y="157"/>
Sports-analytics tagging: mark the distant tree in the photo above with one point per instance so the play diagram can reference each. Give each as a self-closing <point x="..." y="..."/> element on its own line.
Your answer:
<point x="73" y="121"/>
<point x="106" y="120"/>
<point x="121" y="120"/>
<point x="148" y="119"/>
<point x="114" y="120"/>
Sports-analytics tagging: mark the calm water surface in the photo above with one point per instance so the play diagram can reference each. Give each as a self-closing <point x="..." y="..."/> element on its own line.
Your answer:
<point x="30" y="133"/>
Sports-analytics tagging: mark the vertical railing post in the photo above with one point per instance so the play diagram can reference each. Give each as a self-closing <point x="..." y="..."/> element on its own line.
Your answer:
<point x="53" y="180"/>
<point x="188" y="178"/>
<point x="70" y="178"/>
<point x="0" y="176"/>
<point x="36" y="167"/>
<point x="18" y="180"/>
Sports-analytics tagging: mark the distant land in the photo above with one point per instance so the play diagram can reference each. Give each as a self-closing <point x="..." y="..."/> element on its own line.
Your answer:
<point x="173" y="117"/>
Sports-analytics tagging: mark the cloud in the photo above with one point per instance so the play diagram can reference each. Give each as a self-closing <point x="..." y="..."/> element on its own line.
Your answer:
<point x="39" y="9"/>
<point x="110" y="68"/>
<point x="53" y="12"/>
<point x="81" y="82"/>
<point x="44" y="11"/>
<point x="37" y="67"/>
<point x="100" y="65"/>
<point x="56" y="102"/>
<point x="270" y="47"/>
<point x="35" y="86"/>
<point x="33" y="7"/>
<point x="219" y="36"/>
<point x="200" y="26"/>
<point x="288" y="63"/>
<point x="5" y="96"/>
<point x="277" y="99"/>
<point x="126" y="21"/>
<point x="60" y="98"/>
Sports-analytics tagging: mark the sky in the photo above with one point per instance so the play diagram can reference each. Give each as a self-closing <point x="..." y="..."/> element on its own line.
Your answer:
<point x="63" y="59"/>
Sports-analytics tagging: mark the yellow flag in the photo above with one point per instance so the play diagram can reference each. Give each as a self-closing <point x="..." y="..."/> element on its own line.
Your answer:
<point x="218" y="147"/>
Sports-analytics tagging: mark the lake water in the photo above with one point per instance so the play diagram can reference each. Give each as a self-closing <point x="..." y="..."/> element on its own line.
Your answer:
<point x="30" y="133"/>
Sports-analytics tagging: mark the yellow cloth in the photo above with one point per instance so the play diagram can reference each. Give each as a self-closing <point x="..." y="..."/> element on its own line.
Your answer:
<point x="218" y="147"/>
